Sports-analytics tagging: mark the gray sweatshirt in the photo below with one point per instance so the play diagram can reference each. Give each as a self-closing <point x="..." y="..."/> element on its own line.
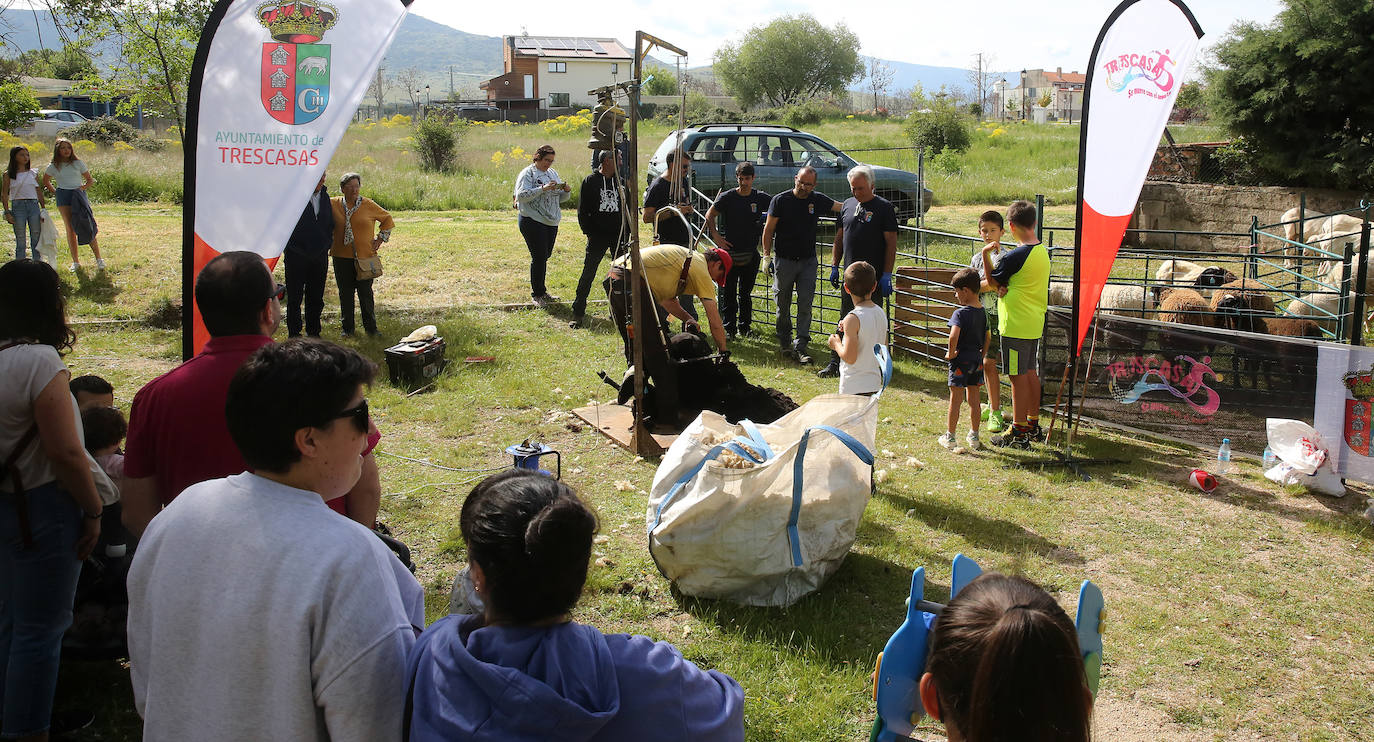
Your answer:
<point x="257" y="613"/>
<point x="538" y="204"/>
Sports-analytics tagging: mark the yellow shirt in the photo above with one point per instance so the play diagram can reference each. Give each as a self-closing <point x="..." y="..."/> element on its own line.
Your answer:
<point x="663" y="268"/>
<point x="364" y="218"/>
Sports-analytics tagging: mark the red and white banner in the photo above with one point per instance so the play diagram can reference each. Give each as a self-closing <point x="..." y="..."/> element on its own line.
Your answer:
<point x="273" y="88"/>
<point x="1135" y="73"/>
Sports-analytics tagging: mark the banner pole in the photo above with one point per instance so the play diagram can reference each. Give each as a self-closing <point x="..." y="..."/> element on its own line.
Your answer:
<point x="1087" y="373"/>
<point x="188" y="182"/>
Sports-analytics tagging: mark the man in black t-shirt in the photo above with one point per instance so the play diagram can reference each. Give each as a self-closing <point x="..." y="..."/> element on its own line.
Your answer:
<point x="742" y="212"/>
<point x="867" y="232"/>
<point x="793" y="217"/>
<point x="670" y="228"/>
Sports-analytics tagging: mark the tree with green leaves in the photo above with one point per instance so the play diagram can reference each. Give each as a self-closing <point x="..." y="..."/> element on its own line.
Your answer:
<point x="17" y="105"/>
<point x="664" y="81"/>
<point x="792" y="59"/>
<point x="1300" y="92"/>
<point x="69" y="63"/>
<point x="156" y="42"/>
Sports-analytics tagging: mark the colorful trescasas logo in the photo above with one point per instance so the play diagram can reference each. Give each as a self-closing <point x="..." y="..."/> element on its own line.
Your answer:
<point x="295" y="67"/>
<point x="1141" y="74"/>
<point x="1357" y="410"/>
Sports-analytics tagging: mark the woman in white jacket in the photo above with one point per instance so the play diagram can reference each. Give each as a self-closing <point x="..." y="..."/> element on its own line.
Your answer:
<point x="538" y="192"/>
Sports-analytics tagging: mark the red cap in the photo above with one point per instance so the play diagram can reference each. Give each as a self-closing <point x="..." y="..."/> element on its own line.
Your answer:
<point x="725" y="260"/>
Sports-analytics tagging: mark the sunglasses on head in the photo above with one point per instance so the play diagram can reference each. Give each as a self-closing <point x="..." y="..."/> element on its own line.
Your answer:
<point x="279" y="293"/>
<point x="359" y="415"/>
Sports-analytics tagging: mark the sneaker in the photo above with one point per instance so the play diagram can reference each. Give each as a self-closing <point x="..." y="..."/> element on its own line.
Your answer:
<point x="1037" y="433"/>
<point x="578" y="320"/>
<point x="1013" y="438"/>
<point x="802" y="357"/>
<point x="74" y="267"/>
<point x="100" y="264"/>
<point x="993" y="421"/>
<point x="830" y="371"/>
<point x="947" y="441"/>
<point x="541" y="301"/>
<point x="747" y="331"/>
<point x="973" y="443"/>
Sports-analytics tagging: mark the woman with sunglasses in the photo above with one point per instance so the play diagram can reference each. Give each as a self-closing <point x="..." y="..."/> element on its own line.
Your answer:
<point x="522" y="669"/>
<point x="538" y="192"/>
<point x="49" y="510"/>
<point x="254" y="611"/>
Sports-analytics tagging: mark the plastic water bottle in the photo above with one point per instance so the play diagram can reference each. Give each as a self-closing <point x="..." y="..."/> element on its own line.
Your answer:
<point x="1269" y="458"/>
<point x="1224" y="465"/>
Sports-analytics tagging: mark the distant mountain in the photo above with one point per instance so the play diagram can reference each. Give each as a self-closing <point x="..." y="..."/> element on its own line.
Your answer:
<point x="905" y="75"/>
<point x="26" y="30"/>
<point x="432" y="48"/>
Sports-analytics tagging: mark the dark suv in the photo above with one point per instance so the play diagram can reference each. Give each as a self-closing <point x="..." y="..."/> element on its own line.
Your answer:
<point x="777" y="151"/>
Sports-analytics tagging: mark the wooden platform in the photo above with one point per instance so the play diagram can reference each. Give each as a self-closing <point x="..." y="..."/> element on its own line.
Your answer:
<point x="614" y="421"/>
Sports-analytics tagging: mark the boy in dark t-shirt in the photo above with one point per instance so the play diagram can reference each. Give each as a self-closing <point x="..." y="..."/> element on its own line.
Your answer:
<point x="968" y="339"/>
<point x="742" y="212"/>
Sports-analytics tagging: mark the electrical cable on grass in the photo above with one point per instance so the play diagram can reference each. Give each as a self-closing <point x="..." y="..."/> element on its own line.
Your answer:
<point x="439" y="466"/>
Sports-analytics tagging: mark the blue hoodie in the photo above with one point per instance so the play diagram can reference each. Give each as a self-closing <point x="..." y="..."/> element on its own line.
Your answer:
<point x="563" y="682"/>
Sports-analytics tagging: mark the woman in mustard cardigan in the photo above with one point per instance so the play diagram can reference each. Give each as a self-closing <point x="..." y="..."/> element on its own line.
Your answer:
<point x="354" y="219"/>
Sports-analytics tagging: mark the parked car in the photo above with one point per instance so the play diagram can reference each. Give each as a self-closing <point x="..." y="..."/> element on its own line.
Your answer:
<point x="51" y="123"/>
<point x="777" y="151"/>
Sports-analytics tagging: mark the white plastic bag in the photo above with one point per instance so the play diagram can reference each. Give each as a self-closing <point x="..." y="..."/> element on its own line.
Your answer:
<point x="47" y="239"/>
<point x="1297" y="444"/>
<point x="763" y="515"/>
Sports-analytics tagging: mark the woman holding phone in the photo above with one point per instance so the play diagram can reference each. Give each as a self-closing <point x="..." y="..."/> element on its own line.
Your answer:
<point x="538" y="192"/>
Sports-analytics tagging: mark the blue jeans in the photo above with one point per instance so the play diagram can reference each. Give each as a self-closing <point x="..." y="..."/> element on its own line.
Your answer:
<point x="37" y="587"/>
<point x="26" y="214"/>
<point x="800" y="276"/>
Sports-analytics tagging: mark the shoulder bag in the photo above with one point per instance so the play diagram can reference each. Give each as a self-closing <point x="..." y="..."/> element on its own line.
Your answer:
<point x="366" y="269"/>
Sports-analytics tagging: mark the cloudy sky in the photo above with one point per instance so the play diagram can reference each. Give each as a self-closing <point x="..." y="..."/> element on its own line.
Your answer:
<point x="1017" y="34"/>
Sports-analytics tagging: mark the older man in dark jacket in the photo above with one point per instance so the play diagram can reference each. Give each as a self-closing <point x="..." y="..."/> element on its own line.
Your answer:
<point x="307" y="263"/>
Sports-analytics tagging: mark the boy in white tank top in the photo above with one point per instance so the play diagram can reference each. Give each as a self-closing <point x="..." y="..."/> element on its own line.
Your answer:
<point x="859" y="331"/>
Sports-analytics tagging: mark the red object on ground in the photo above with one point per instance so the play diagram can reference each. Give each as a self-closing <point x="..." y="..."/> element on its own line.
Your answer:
<point x="1203" y="480"/>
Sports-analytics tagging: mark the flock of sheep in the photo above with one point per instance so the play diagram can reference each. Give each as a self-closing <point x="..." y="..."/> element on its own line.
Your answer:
<point x="1187" y="293"/>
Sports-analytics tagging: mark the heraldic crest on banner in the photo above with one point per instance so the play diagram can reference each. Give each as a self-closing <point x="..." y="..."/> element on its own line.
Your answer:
<point x="1357" y="410"/>
<point x="295" y="66"/>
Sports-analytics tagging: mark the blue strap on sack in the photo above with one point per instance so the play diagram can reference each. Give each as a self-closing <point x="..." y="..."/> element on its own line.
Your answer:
<point x="754" y="448"/>
<point x="848" y="440"/>
<point x="756" y="436"/>
<point x="885" y="364"/>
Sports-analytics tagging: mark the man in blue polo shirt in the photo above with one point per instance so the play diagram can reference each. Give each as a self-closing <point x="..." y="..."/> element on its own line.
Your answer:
<point x="793" y="217"/>
<point x="867" y="232"/>
<point x="742" y="212"/>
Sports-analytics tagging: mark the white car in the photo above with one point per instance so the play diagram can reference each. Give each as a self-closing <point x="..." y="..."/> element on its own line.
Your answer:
<point x="50" y="123"/>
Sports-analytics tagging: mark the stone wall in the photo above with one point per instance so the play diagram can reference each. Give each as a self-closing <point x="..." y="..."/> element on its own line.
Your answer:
<point x="1201" y="207"/>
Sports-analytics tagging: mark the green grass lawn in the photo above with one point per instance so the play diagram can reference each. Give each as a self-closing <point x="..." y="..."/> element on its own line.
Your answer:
<point x="1004" y="162"/>
<point x="1247" y="613"/>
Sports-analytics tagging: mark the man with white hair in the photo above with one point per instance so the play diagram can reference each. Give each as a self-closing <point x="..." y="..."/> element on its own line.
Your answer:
<point x="867" y="232"/>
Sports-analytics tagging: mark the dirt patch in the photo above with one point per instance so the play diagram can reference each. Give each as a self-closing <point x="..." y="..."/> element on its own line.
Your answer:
<point x="1124" y="720"/>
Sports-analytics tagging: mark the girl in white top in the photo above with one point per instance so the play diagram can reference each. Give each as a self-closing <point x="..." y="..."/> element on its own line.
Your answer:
<point x="72" y="175"/>
<point x="859" y="331"/>
<point x="23" y="201"/>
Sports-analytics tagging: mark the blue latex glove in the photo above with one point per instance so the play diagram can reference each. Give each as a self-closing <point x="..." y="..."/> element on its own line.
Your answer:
<point x="885" y="285"/>
<point x="834" y="276"/>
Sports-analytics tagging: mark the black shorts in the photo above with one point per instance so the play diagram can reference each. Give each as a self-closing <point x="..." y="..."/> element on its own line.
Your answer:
<point x="966" y="372"/>
<point x="994" y="351"/>
<point x="1020" y="356"/>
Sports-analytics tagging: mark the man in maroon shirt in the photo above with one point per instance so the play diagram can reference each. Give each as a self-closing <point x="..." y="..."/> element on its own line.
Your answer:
<point x="177" y="430"/>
